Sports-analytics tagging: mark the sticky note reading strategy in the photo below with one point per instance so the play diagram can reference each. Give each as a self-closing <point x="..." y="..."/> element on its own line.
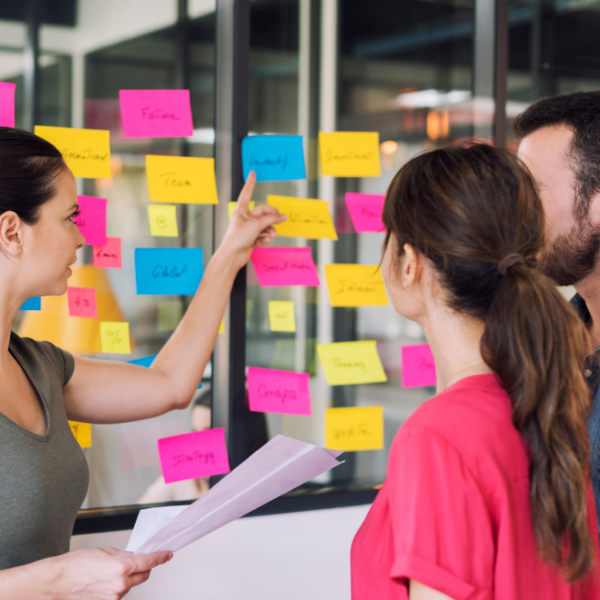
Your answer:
<point x="181" y="179"/>
<point x="32" y="304"/>
<point x="349" y="363"/>
<point x="7" y="104"/>
<point x="86" y="151"/>
<point x="281" y="316"/>
<point x="156" y="113"/>
<point x="418" y="366"/>
<point x="273" y="157"/>
<point x="163" y="220"/>
<point x="92" y="219"/>
<point x="82" y="433"/>
<point x="354" y="428"/>
<point x="82" y="302"/>
<point x="355" y="285"/>
<point x="284" y="266"/>
<point x="365" y="212"/>
<point x="115" y="337"/>
<point x="109" y="255"/>
<point x="193" y="455"/>
<point x="282" y="392"/>
<point x="349" y="154"/>
<point x="168" y="270"/>
<point x="306" y="218"/>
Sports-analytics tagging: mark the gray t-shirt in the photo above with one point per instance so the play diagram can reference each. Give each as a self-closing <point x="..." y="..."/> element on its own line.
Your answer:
<point x="43" y="478"/>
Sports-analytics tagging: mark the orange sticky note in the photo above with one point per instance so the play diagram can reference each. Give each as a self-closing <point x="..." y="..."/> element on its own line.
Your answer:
<point x="354" y="428"/>
<point x="82" y="433"/>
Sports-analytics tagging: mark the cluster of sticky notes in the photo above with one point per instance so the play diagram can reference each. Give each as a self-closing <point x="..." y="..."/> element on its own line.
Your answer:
<point x="354" y="428"/>
<point x="7" y="104"/>
<point x="283" y="392"/>
<point x="418" y="366"/>
<point x="282" y="316"/>
<point x="82" y="433"/>
<point x="355" y="285"/>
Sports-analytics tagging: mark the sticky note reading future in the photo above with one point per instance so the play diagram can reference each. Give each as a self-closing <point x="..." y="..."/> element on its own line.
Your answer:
<point x="193" y="455"/>
<point x="282" y="392"/>
<point x="349" y="363"/>
<point x="273" y="157"/>
<point x="281" y="266"/>
<point x="168" y="270"/>
<point x="86" y="151"/>
<point x="156" y="113"/>
<point x="350" y="154"/>
<point x="115" y="337"/>
<point x="355" y="285"/>
<point x="82" y="302"/>
<point x="82" y="433"/>
<point x="231" y="207"/>
<point x="7" y="104"/>
<point x="306" y="218"/>
<point x="354" y="428"/>
<point x="163" y="220"/>
<point x="32" y="304"/>
<point x="181" y="179"/>
<point x="92" y="219"/>
<point x="281" y="315"/>
<point x="365" y="211"/>
<point x="418" y="366"/>
<point x="109" y="255"/>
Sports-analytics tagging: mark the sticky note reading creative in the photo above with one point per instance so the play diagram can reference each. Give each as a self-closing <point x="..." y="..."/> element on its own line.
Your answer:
<point x="284" y="266"/>
<point x="281" y="315"/>
<point x="92" y="219"/>
<point x="193" y="455"/>
<point x="306" y="218"/>
<point x="163" y="220"/>
<point x="7" y="104"/>
<point x="86" y="151"/>
<point x="355" y="285"/>
<point x="32" y="304"/>
<point x="109" y="255"/>
<point x="82" y="433"/>
<point x="115" y="337"/>
<point x="168" y="270"/>
<point x="349" y="363"/>
<point x="365" y="211"/>
<point x="82" y="302"/>
<point x="282" y="392"/>
<point x="354" y="428"/>
<point x="418" y="366"/>
<point x="273" y="157"/>
<point x="350" y="154"/>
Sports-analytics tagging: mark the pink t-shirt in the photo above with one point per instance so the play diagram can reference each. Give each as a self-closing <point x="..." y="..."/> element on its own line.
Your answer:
<point x="454" y="512"/>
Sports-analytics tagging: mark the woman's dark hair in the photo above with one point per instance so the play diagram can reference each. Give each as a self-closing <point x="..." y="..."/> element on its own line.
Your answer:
<point x="29" y="166"/>
<point x="466" y="208"/>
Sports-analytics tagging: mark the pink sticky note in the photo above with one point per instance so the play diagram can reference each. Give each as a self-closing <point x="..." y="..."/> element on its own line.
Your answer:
<point x="7" y="104"/>
<point x="283" y="392"/>
<point x="156" y="113"/>
<point x="109" y="255"/>
<point x="365" y="211"/>
<point x="284" y="266"/>
<point x="193" y="455"/>
<point x="418" y="366"/>
<point x="92" y="219"/>
<point x="82" y="302"/>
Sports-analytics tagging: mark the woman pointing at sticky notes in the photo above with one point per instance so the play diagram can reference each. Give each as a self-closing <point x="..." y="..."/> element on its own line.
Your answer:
<point x="43" y="473"/>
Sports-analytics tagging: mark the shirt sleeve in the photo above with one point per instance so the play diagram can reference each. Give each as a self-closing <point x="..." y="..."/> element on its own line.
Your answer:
<point x="61" y="360"/>
<point x="442" y="529"/>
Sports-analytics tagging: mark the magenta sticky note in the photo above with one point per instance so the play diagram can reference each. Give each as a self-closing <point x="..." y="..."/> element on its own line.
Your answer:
<point x="283" y="392"/>
<point x="156" y="113"/>
<point x="365" y="211"/>
<point x="193" y="455"/>
<point x="109" y="255"/>
<point x="285" y="266"/>
<point x="418" y="366"/>
<point x="82" y="302"/>
<point x="92" y="219"/>
<point x="7" y="104"/>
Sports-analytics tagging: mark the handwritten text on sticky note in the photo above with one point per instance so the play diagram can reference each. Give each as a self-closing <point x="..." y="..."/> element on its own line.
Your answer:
<point x="284" y="266"/>
<point x="306" y="218"/>
<point x="91" y="219"/>
<point x="350" y="154"/>
<point x="418" y="366"/>
<point x="355" y="285"/>
<point x="168" y="270"/>
<point x="7" y="104"/>
<point x="114" y="337"/>
<point x="82" y="433"/>
<point x="281" y="315"/>
<point x="283" y="392"/>
<point x="82" y="302"/>
<point x="273" y="157"/>
<point x="365" y="211"/>
<point x="163" y="220"/>
<point x="349" y="363"/>
<point x="109" y="255"/>
<point x="354" y="428"/>
<point x="32" y="304"/>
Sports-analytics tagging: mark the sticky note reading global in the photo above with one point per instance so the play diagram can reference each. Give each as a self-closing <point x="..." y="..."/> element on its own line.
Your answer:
<point x="7" y="104"/>
<point x="281" y="315"/>
<point x="282" y="392"/>
<point x="82" y="302"/>
<point x="365" y="212"/>
<point x="418" y="366"/>
<point x="163" y="220"/>
<point x="284" y="266"/>
<point x="181" y="179"/>
<point x="115" y="337"/>
<point x="32" y="304"/>
<point x="86" y="151"/>
<point x="306" y="218"/>
<point x="354" y="428"/>
<point x="82" y="433"/>
<point x="273" y="157"/>
<point x="193" y="455"/>
<point x="109" y="255"/>
<point x="168" y="270"/>
<point x="349" y="363"/>
<point x="350" y="154"/>
<point x="156" y="113"/>
<point x="355" y="285"/>
<point x="92" y="219"/>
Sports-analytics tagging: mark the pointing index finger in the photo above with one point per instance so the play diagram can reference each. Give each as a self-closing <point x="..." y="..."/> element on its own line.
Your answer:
<point x="246" y="193"/>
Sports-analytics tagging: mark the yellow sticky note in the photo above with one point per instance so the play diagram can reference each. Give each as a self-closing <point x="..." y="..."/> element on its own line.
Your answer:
<point x="86" y="151"/>
<point x="222" y="327"/>
<point x="183" y="179"/>
<point x="281" y="316"/>
<point x="306" y="218"/>
<point x="354" y="428"/>
<point x="348" y="363"/>
<point x="231" y="207"/>
<point x="115" y="337"/>
<point x="350" y="154"/>
<point x="82" y="433"/>
<point x="169" y="315"/>
<point x="355" y="285"/>
<point x="163" y="220"/>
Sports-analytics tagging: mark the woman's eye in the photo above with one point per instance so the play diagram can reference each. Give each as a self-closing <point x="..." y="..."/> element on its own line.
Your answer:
<point x="75" y="214"/>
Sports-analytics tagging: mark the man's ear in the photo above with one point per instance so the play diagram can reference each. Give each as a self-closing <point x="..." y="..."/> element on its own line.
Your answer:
<point x="11" y="233"/>
<point x="410" y="271"/>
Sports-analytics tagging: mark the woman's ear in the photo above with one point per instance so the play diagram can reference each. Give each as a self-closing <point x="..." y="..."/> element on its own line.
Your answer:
<point x="410" y="271"/>
<point x="11" y="233"/>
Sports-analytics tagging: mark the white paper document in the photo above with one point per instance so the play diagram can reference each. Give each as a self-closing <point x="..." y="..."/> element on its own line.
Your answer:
<point x="278" y="467"/>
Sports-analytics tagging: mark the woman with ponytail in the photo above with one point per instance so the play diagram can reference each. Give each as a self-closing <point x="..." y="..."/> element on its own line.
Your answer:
<point x="488" y="495"/>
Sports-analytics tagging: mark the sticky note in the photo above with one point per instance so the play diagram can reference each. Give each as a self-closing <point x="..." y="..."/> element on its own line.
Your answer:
<point x="281" y="316"/>
<point x="273" y="157"/>
<point x="168" y="270"/>
<point x="82" y="302"/>
<point x="282" y="392"/>
<point x="32" y="304"/>
<point x="349" y="363"/>
<point x="306" y="218"/>
<point x="231" y="207"/>
<point x="146" y="361"/>
<point x="163" y="220"/>
<point x="109" y="255"/>
<point x="181" y="179"/>
<point x="82" y="433"/>
<point x="354" y="428"/>
<point x="86" y="151"/>
<point x="156" y="113"/>
<point x="193" y="455"/>
<point x="222" y="326"/>
<point x="350" y="154"/>
<point x="92" y="219"/>
<point x="355" y="285"/>
<point x="7" y="104"/>
<point x="115" y="337"/>
<point x="365" y="211"/>
<point x="284" y="266"/>
<point x="170" y="313"/>
<point x="418" y="366"/>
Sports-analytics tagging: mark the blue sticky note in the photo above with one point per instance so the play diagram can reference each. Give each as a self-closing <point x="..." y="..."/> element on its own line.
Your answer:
<point x="32" y="304"/>
<point x="168" y="270"/>
<point x="273" y="157"/>
<point x="146" y="361"/>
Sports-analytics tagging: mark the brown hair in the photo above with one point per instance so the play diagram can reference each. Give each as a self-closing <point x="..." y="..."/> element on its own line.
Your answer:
<point x="466" y="208"/>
